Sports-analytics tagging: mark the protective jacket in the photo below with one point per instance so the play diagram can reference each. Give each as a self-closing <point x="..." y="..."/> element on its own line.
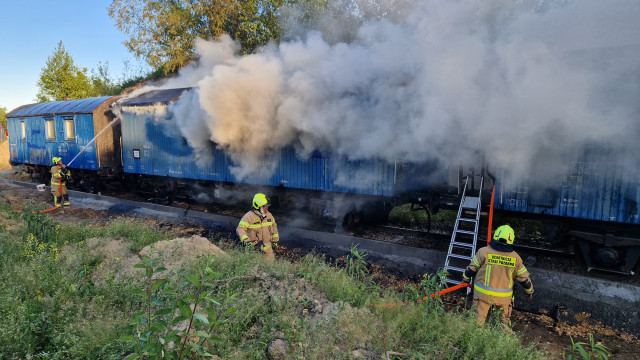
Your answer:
<point x="495" y="267"/>
<point x="256" y="228"/>
<point x="59" y="177"/>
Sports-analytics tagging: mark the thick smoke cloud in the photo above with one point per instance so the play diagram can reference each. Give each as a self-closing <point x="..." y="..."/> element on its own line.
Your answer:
<point x="529" y="83"/>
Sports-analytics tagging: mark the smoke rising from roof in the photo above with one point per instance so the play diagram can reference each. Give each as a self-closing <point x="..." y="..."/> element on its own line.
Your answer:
<point x="528" y="82"/>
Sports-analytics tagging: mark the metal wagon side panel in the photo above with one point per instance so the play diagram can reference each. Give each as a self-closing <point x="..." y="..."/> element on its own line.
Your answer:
<point x="598" y="186"/>
<point x="153" y="145"/>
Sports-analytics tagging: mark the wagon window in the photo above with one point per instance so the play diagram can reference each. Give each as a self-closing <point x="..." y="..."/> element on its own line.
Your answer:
<point x="69" y="130"/>
<point x="24" y="130"/>
<point x="51" y="133"/>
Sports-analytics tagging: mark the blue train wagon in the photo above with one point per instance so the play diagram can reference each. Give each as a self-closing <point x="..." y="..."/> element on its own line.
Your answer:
<point x="153" y="145"/>
<point x="67" y="129"/>
<point x="593" y="203"/>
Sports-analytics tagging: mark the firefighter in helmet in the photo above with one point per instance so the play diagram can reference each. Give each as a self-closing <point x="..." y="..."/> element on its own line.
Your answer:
<point x="494" y="268"/>
<point x="258" y="227"/>
<point x="60" y="174"/>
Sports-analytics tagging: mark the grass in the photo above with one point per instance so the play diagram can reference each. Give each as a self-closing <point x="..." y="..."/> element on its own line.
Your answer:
<point x="50" y="307"/>
<point x="404" y="215"/>
<point x="445" y="219"/>
<point x="139" y="234"/>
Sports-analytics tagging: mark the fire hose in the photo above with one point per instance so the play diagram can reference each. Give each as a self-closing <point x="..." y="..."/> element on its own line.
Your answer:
<point x="46" y="210"/>
<point x="439" y="293"/>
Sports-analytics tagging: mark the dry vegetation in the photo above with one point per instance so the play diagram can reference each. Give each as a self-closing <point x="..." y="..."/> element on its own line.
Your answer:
<point x="4" y="157"/>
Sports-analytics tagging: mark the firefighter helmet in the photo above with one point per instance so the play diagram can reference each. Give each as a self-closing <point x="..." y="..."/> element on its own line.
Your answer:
<point x="504" y="232"/>
<point x="260" y="200"/>
<point x="56" y="160"/>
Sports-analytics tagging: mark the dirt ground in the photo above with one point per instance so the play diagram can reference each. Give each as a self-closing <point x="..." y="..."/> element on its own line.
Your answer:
<point x="546" y="331"/>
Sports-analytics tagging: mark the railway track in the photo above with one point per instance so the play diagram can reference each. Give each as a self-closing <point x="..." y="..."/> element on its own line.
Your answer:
<point x="445" y="237"/>
<point x="438" y="239"/>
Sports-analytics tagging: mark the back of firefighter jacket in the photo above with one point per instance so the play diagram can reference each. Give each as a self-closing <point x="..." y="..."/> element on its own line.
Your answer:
<point x="496" y="271"/>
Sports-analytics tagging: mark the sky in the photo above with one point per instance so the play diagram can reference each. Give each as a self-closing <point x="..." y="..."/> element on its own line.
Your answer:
<point x="30" y="31"/>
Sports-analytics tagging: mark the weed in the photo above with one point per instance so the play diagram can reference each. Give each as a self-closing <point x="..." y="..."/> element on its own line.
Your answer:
<point x="139" y="234"/>
<point x="357" y="266"/>
<point x="417" y="217"/>
<point x="38" y="225"/>
<point x="430" y="284"/>
<point x="582" y="350"/>
<point x="335" y="282"/>
<point x="173" y="324"/>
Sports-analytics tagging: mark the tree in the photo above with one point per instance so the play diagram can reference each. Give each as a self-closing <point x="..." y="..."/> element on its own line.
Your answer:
<point x="255" y="23"/>
<point x="61" y="79"/>
<point x="338" y="20"/>
<point x="101" y="83"/>
<point x="163" y="32"/>
<point x="3" y="116"/>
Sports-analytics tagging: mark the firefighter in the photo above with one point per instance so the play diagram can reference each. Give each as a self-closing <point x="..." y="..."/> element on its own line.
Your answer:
<point x="60" y="174"/>
<point x="494" y="268"/>
<point x="258" y="227"/>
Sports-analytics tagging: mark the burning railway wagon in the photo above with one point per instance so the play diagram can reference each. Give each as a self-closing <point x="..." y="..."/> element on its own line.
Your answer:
<point x="68" y="129"/>
<point x="155" y="150"/>
<point x="591" y="203"/>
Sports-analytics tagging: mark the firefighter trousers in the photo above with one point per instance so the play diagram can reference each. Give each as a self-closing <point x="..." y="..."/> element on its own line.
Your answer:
<point x="483" y="307"/>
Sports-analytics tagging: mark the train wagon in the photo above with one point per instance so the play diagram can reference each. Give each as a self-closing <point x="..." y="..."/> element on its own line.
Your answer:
<point x="67" y="129"/>
<point x="593" y="205"/>
<point x="157" y="154"/>
<point x="590" y="206"/>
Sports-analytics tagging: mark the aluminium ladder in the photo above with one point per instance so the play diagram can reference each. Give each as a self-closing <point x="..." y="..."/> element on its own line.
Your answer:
<point x="465" y="233"/>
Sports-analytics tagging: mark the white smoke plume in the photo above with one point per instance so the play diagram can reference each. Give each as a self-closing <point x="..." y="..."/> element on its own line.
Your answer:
<point x="529" y="83"/>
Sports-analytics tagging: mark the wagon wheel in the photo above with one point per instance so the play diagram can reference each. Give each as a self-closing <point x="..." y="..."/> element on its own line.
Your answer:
<point x="351" y="219"/>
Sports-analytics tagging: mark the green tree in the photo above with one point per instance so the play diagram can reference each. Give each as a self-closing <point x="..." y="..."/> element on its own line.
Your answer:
<point x="256" y="22"/>
<point x="3" y="116"/>
<point x="101" y="82"/>
<point x="61" y="79"/>
<point x="163" y="32"/>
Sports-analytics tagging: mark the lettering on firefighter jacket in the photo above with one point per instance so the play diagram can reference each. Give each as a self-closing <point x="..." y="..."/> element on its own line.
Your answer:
<point x="495" y="274"/>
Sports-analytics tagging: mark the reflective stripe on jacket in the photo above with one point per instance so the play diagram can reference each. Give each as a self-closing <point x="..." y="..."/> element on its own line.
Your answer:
<point x="255" y="228"/>
<point x="495" y="272"/>
<point x="56" y="175"/>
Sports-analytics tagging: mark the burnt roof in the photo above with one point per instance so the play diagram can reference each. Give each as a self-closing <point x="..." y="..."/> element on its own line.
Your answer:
<point x="161" y="96"/>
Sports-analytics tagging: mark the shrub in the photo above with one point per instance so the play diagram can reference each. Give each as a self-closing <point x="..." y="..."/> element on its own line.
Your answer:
<point x="179" y="318"/>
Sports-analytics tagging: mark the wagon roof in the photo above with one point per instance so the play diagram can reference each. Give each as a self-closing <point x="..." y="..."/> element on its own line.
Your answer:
<point x="155" y="97"/>
<point x="79" y="106"/>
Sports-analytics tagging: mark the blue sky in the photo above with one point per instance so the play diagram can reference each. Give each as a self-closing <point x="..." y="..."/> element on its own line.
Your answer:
<point x="30" y="31"/>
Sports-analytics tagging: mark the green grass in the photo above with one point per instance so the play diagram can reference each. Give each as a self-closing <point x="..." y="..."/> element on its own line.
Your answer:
<point x="405" y="216"/>
<point x="51" y="309"/>
<point x="139" y="234"/>
<point x="521" y="226"/>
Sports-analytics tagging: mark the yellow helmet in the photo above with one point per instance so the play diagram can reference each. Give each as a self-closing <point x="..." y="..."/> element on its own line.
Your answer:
<point x="56" y="160"/>
<point x="504" y="232"/>
<point x="260" y="200"/>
